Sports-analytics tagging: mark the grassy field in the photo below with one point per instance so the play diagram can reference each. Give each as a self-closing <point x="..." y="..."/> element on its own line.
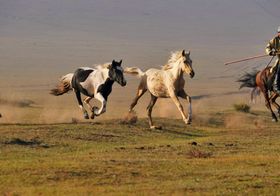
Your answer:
<point x="221" y="153"/>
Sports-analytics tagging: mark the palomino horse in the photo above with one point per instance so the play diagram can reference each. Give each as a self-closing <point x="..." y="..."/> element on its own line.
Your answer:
<point x="93" y="83"/>
<point x="165" y="83"/>
<point x="263" y="81"/>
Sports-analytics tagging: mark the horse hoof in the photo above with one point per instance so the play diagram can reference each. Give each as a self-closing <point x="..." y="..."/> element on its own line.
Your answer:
<point x="94" y="109"/>
<point x="188" y="122"/>
<point x="156" y="127"/>
<point x="86" y="116"/>
<point x="274" y="120"/>
<point x="92" y="116"/>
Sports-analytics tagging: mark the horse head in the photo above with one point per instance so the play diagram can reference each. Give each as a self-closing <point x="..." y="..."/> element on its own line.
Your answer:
<point x="116" y="72"/>
<point x="187" y="63"/>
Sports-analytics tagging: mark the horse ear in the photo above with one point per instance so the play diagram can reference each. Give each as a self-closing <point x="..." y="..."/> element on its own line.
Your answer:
<point x="113" y="64"/>
<point x="120" y="62"/>
<point x="183" y="53"/>
<point x="188" y="53"/>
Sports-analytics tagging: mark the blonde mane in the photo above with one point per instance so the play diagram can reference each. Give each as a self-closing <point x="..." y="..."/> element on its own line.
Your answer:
<point x="174" y="57"/>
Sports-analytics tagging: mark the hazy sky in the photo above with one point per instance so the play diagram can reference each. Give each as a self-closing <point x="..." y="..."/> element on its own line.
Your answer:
<point x="48" y="38"/>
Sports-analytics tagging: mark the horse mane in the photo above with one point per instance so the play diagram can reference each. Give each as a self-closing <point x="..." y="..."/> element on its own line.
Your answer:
<point x="102" y="66"/>
<point x="174" y="57"/>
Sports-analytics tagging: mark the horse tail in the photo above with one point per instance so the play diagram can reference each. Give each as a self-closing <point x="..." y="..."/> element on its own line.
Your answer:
<point x="134" y="71"/>
<point x="63" y="86"/>
<point x="254" y="93"/>
<point x="248" y="80"/>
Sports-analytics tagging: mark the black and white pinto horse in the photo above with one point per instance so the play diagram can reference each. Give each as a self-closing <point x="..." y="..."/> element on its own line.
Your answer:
<point x="93" y="83"/>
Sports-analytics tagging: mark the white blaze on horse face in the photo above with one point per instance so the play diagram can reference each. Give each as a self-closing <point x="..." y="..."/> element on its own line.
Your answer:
<point x="119" y="68"/>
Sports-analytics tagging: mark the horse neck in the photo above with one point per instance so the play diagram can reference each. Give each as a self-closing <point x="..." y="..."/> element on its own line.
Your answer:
<point x="176" y="71"/>
<point x="108" y="82"/>
<point x="105" y="76"/>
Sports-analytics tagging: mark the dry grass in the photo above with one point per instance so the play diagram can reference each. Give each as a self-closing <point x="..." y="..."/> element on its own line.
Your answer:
<point x="242" y="107"/>
<point x="122" y="159"/>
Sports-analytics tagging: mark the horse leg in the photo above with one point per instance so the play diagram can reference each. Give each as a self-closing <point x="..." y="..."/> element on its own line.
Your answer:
<point x="268" y="105"/>
<point x="102" y="109"/>
<point x="78" y="95"/>
<point x="87" y="102"/>
<point x="184" y="95"/>
<point x="274" y="103"/>
<point x="179" y="106"/>
<point x="140" y="91"/>
<point x="149" y="111"/>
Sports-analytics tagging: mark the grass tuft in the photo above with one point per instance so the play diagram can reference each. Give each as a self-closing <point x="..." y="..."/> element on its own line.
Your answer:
<point x="242" y="107"/>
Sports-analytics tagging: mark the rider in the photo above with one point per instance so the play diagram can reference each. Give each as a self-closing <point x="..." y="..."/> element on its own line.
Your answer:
<point x="273" y="49"/>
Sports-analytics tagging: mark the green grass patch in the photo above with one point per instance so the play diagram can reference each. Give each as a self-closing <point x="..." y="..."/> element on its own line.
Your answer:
<point x="110" y="157"/>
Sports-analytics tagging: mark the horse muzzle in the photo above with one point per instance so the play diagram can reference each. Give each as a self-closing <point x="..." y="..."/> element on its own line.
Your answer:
<point x="123" y="83"/>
